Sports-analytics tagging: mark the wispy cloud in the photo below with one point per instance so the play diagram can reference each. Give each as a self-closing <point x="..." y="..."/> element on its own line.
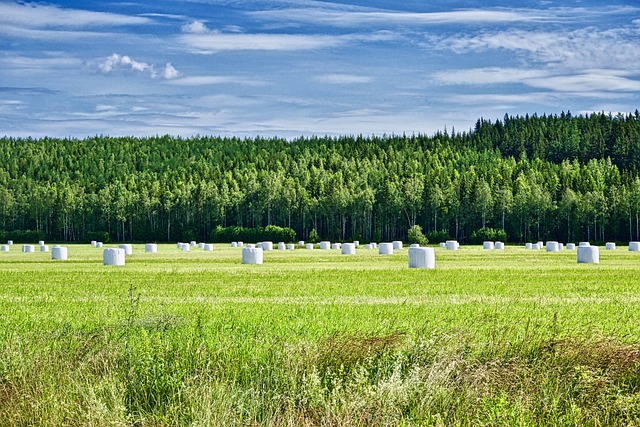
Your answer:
<point x="38" y="15"/>
<point x="214" y="80"/>
<point x="117" y="62"/>
<point x="343" y="79"/>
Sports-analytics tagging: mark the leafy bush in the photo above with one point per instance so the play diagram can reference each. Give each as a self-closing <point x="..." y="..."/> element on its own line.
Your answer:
<point x="416" y="235"/>
<point x="98" y="236"/>
<point x="22" y="236"/>
<point x="271" y="233"/>
<point x="438" y="236"/>
<point x="488" y="234"/>
<point x="313" y="236"/>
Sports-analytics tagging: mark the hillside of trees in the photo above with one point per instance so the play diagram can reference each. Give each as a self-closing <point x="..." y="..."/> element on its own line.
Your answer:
<point x="565" y="178"/>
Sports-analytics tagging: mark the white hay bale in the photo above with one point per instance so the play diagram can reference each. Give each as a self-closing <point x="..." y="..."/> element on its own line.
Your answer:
<point x="240" y="244"/>
<point x="93" y="243"/>
<point x="10" y="242"/>
<point x="588" y="255"/>
<point x="5" y="248"/>
<point x="128" y="249"/>
<point x="336" y="246"/>
<point x="267" y="246"/>
<point x="40" y="242"/>
<point x="536" y="246"/>
<point x="282" y="246"/>
<point x="193" y="243"/>
<point x="414" y="245"/>
<point x="488" y="245"/>
<point x="374" y="245"/>
<point x="291" y="246"/>
<point x="44" y="248"/>
<point x="553" y="246"/>
<point x="528" y="246"/>
<point x="208" y="247"/>
<point x="324" y="245"/>
<point x="452" y="245"/>
<point x="634" y="246"/>
<point x="309" y="246"/>
<point x="59" y="253"/>
<point x="252" y="255"/>
<point x="179" y="245"/>
<point x="584" y="244"/>
<point x="113" y="256"/>
<point x="99" y="245"/>
<point x="499" y="246"/>
<point x="234" y="244"/>
<point x="151" y="248"/>
<point x="250" y="246"/>
<point x="443" y="245"/>
<point x="357" y="243"/>
<point x="300" y="242"/>
<point x="200" y="245"/>
<point x="610" y="246"/>
<point x="422" y="258"/>
<point x="571" y="246"/>
<point x="185" y="247"/>
<point x="541" y="244"/>
<point x="28" y="248"/>
<point x="385" y="249"/>
<point x="561" y="246"/>
<point x="397" y="245"/>
<point x="349" y="249"/>
<point x="368" y="246"/>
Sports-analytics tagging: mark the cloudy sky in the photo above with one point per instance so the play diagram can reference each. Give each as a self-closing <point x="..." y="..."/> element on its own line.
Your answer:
<point x="301" y="67"/>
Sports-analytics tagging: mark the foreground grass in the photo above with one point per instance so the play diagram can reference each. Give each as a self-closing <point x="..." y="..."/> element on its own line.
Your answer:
<point x="316" y="338"/>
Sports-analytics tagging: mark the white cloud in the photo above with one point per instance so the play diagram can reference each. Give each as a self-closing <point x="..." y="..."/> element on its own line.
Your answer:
<point x="37" y="15"/>
<point x="117" y="62"/>
<point x="195" y="27"/>
<point x="343" y="79"/>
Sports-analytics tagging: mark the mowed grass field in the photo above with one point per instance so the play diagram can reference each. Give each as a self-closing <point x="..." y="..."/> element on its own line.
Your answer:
<point x="513" y="337"/>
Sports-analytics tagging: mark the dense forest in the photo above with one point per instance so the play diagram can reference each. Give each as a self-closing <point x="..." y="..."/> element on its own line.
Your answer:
<point x="563" y="177"/>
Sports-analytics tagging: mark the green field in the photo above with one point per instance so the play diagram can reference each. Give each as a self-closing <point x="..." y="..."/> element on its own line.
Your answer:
<point x="510" y="337"/>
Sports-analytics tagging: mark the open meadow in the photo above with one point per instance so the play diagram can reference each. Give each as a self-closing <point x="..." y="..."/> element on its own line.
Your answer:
<point x="513" y="337"/>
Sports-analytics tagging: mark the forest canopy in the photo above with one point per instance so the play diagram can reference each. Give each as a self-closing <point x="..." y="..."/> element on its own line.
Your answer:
<point x="559" y="177"/>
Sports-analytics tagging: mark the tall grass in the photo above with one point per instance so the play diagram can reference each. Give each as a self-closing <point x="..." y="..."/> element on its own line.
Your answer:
<point x="319" y="340"/>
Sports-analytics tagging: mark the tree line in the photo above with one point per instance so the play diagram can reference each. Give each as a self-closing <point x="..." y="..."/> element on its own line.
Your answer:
<point x="558" y="177"/>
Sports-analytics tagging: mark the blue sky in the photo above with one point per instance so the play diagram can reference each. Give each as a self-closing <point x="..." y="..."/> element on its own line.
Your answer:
<point x="302" y="67"/>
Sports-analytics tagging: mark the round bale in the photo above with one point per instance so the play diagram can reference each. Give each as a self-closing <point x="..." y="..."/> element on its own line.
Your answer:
<point x="113" y="256"/>
<point x="59" y="253"/>
<point x="588" y="255"/>
<point x="422" y="258"/>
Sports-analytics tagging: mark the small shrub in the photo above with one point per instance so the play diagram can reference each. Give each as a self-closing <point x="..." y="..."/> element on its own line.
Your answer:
<point x="417" y="236"/>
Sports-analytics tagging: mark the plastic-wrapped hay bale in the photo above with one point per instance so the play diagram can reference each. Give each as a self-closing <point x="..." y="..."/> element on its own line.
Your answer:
<point x="414" y="245"/>
<point x="40" y="242"/>
<point x="349" y="249"/>
<point x="561" y="246"/>
<point x="385" y="249"/>
<point x="267" y="246"/>
<point x="397" y="245"/>
<point x="610" y="246"/>
<point x="234" y="244"/>
<point x="528" y="246"/>
<point x="200" y="245"/>
<point x="300" y="242"/>
<point x="553" y="246"/>
<point x="571" y="246"/>
<point x="488" y="245"/>
<point x="59" y="253"/>
<point x="5" y="248"/>
<point x="93" y="243"/>
<point x="291" y="246"/>
<point x="541" y="244"/>
<point x="208" y="247"/>
<point x="252" y="255"/>
<point x="357" y="243"/>
<point x="536" y="246"/>
<point x="10" y="242"/>
<point x="113" y="256"/>
<point x="443" y="245"/>
<point x="44" y="248"/>
<point x="240" y="244"/>
<point x="28" y="248"/>
<point x="151" y="248"/>
<point x="634" y="246"/>
<point x="452" y="245"/>
<point x="499" y="246"/>
<point x="99" y="245"/>
<point x="374" y="245"/>
<point x="185" y="247"/>
<point x="588" y="255"/>
<point x="179" y="245"/>
<point x="584" y="244"/>
<point x="336" y="246"/>
<point x="422" y="258"/>
<point x="325" y="245"/>
<point x="309" y="246"/>
<point x="128" y="249"/>
<point x="282" y="246"/>
<point x="193" y="243"/>
<point x="250" y="246"/>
